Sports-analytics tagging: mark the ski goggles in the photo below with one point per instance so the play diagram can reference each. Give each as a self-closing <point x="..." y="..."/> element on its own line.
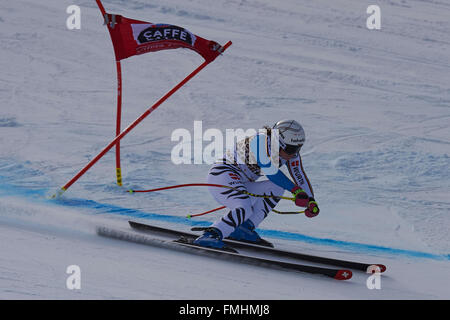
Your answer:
<point x="291" y="149"/>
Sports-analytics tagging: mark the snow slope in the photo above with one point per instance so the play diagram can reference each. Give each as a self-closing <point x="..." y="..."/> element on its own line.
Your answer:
<point x="374" y="104"/>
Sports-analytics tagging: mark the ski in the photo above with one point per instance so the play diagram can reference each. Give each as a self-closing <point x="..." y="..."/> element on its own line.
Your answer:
<point x="281" y="253"/>
<point x="186" y="245"/>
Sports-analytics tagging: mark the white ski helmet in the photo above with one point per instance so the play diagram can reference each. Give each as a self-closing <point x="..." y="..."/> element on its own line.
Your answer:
<point x="292" y="135"/>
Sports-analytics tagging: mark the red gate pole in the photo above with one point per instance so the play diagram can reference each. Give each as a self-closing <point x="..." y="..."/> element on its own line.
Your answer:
<point x="134" y="124"/>
<point x="100" y="6"/>
<point x="119" y="105"/>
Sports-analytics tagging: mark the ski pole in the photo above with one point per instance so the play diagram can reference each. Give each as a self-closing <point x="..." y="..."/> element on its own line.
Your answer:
<point x="219" y="186"/>
<point x="288" y="212"/>
<point x="189" y="216"/>
<point x="133" y="125"/>
<point x="203" y="213"/>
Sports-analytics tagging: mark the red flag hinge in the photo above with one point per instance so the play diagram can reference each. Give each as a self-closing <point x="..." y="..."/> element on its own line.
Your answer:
<point x="111" y="23"/>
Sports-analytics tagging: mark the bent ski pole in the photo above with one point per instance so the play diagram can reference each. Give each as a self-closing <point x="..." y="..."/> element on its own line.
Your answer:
<point x="203" y="213"/>
<point x="189" y="216"/>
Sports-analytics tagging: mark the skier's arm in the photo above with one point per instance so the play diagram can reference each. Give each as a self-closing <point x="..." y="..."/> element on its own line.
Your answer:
<point x="258" y="146"/>
<point x="298" y="174"/>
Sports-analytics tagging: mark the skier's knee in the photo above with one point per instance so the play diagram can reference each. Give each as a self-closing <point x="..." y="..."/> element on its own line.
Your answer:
<point x="236" y="217"/>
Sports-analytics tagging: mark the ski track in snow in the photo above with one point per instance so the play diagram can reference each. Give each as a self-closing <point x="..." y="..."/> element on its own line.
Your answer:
<point x="375" y="106"/>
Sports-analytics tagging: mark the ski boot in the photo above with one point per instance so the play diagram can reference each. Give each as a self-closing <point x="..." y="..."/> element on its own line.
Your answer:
<point x="211" y="237"/>
<point x="246" y="233"/>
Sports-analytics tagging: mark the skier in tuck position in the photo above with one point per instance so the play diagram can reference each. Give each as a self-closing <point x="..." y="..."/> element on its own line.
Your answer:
<point x="251" y="159"/>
